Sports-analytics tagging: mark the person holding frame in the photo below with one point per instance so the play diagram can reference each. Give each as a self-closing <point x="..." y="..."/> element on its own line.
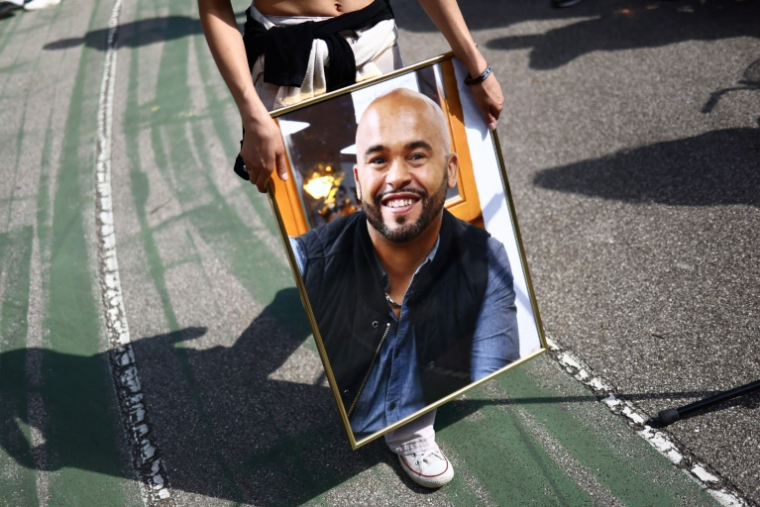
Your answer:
<point x="284" y="52"/>
<point x="282" y="59"/>
<point x="411" y="303"/>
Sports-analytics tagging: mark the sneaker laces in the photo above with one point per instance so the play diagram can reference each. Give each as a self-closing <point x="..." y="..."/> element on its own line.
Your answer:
<point x="426" y="458"/>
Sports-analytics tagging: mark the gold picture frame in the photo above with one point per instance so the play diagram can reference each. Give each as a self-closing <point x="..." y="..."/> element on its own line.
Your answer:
<point x="318" y="135"/>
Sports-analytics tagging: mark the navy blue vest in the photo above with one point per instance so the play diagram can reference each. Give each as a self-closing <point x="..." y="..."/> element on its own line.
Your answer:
<point x="344" y="281"/>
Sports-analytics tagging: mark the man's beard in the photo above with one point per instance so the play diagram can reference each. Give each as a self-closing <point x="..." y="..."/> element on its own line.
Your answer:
<point x="431" y="207"/>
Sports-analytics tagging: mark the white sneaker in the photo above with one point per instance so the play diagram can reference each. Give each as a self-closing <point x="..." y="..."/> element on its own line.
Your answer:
<point x="429" y="468"/>
<point x="36" y="5"/>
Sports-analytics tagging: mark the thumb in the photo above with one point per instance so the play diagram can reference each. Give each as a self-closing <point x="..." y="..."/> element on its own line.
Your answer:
<point x="282" y="166"/>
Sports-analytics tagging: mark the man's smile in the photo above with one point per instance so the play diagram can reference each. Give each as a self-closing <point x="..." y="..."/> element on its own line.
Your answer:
<point x="400" y="202"/>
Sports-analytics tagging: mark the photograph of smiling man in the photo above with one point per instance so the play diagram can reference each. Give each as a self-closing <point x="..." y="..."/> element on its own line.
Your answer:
<point x="412" y="303"/>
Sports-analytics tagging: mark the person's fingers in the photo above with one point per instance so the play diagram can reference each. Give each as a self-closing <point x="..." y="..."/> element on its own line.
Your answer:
<point x="491" y="121"/>
<point x="250" y="167"/>
<point x="491" y="98"/>
<point x="496" y="109"/>
<point x="262" y="180"/>
<point x="251" y="174"/>
<point x="263" y="152"/>
<point x="257" y="174"/>
<point x="494" y="116"/>
<point x="489" y="106"/>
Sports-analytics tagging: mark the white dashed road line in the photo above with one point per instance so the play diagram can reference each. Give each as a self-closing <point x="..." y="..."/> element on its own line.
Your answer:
<point x="145" y="454"/>
<point x="637" y="420"/>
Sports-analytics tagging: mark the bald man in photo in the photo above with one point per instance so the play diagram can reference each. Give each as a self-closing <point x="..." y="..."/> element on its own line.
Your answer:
<point x="412" y="303"/>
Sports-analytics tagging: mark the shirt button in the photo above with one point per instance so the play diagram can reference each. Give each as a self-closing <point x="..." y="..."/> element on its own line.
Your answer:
<point x="375" y="324"/>
<point x="431" y="365"/>
<point x="392" y="406"/>
<point x="346" y="392"/>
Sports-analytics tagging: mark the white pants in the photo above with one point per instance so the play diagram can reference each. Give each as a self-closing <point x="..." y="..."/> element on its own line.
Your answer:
<point x="375" y="51"/>
<point x="414" y="436"/>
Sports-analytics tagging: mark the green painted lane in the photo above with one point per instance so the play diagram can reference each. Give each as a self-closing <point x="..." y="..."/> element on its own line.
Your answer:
<point x="83" y="428"/>
<point x="500" y="451"/>
<point x="16" y="253"/>
<point x="535" y="438"/>
<point x="15" y="435"/>
<point x="61" y="434"/>
<point x="633" y="477"/>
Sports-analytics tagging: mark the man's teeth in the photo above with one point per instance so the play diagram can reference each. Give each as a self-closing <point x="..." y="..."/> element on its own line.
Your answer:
<point x="399" y="203"/>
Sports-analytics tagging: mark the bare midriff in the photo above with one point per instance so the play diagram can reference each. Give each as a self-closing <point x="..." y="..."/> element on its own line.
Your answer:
<point x="309" y="7"/>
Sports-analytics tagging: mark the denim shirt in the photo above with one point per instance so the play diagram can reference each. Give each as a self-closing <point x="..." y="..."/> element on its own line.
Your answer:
<point x="393" y="389"/>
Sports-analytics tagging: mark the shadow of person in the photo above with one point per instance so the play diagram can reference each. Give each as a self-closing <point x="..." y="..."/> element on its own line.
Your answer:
<point x="632" y="24"/>
<point x="716" y="168"/>
<point x="135" y="34"/>
<point x="71" y="389"/>
<point x="229" y="422"/>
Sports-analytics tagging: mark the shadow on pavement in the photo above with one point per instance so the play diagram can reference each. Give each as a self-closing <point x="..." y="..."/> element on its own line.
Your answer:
<point x="225" y="424"/>
<point x="459" y="409"/>
<point x="138" y="33"/>
<point x="601" y="25"/>
<point x="717" y="168"/>
<point x="634" y="24"/>
<point x="598" y="25"/>
<point x="135" y="34"/>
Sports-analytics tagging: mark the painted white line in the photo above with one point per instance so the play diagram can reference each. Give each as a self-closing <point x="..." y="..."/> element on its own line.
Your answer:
<point x="726" y="498"/>
<point x="637" y="419"/>
<point x="145" y="455"/>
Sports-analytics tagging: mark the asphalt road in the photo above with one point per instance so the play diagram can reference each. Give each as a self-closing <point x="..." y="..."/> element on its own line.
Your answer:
<point x="631" y="136"/>
<point x="632" y="143"/>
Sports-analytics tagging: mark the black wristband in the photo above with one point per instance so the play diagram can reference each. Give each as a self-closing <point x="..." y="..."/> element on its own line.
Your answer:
<point x="469" y="81"/>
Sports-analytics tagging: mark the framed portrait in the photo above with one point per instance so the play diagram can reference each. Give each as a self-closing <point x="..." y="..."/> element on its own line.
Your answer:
<point x="403" y="241"/>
